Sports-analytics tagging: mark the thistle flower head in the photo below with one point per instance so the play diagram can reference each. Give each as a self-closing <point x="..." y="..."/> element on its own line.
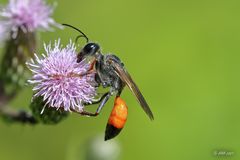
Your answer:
<point x="27" y="15"/>
<point x="60" y="80"/>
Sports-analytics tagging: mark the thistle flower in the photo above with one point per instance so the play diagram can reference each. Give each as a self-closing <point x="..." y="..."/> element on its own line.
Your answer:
<point x="19" y="21"/>
<point x="60" y="80"/>
<point x="27" y="15"/>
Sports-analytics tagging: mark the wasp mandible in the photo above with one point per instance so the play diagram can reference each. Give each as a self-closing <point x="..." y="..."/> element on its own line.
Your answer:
<point x="110" y="72"/>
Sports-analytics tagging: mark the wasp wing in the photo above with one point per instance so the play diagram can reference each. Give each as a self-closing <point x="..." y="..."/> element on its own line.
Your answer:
<point x="125" y="77"/>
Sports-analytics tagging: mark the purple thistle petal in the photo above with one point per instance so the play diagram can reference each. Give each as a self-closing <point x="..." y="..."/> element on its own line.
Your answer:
<point x="56" y="77"/>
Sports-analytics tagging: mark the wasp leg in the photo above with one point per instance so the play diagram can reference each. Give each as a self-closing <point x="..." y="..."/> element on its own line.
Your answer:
<point x="89" y="114"/>
<point x="104" y="100"/>
<point x="97" y="101"/>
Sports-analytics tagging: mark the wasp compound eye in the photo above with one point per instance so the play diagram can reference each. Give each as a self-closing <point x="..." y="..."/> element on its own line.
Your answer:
<point x="91" y="48"/>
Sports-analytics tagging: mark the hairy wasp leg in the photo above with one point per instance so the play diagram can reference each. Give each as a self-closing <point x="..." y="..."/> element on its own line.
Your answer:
<point x="89" y="114"/>
<point x="104" y="100"/>
<point x="97" y="101"/>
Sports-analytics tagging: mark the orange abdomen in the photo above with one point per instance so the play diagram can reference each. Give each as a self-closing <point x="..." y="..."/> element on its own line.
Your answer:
<point x="119" y="114"/>
<point x="117" y="119"/>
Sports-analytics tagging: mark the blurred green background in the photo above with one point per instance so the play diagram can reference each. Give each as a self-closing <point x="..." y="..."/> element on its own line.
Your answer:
<point x="185" y="58"/>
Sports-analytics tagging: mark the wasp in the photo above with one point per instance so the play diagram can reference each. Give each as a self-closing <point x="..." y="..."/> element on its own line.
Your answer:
<point x="110" y="73"/>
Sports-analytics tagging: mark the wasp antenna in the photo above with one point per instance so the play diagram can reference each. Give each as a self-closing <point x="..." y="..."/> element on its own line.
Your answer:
<point x="83" y="35"/>
<point x="79" y="36"/>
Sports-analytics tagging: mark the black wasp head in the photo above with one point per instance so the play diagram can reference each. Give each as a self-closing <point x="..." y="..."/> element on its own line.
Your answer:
<point x="89" y="49"/>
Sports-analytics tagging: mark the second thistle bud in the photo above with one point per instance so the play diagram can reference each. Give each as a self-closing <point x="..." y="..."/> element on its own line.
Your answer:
<point x="19" y="22"/>
<point x="50" y="115"/>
